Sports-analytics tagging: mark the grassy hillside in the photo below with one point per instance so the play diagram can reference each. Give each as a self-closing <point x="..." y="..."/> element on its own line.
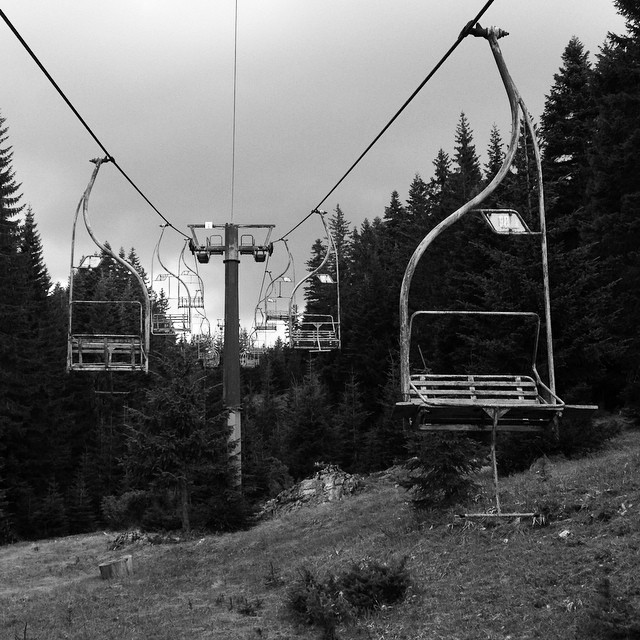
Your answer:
<point x="575" y="577"/>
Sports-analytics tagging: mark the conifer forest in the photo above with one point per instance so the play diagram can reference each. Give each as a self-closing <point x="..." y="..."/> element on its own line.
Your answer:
<point x="82" y="450"/>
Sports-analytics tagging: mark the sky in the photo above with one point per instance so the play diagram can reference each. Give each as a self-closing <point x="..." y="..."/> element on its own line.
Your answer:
<point x="315" y="81"/>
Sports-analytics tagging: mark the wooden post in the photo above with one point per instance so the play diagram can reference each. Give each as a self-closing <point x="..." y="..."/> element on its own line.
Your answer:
<point x="119" y="568"/>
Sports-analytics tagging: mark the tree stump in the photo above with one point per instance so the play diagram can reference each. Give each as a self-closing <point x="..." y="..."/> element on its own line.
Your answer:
<point x="119" y="568"/>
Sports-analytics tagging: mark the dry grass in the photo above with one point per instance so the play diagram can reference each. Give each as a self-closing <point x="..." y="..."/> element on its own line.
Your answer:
<point x="471" y="580"/>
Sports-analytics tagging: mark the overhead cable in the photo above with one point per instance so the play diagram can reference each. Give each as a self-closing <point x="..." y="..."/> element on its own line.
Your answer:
<point x="235" y="100"/>
<point x="82" y="121"/>
<point x="454" y="46"/>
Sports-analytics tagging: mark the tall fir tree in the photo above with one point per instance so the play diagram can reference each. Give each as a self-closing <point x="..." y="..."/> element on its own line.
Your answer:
<point x="439" y="188"/>
<point x="580" y="304"/>
<point x="417" y="203"/>
<point x="567" y="130"/>
<point x="370" y="304"/>
<point x="614" y="201"/>
<point x="177" y="440"/>
<point x="14" y="407"/>
<point x="467" y="176"/>
<point x="309" y="434"/>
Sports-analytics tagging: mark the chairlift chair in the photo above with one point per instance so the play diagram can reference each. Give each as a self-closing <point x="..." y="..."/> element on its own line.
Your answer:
<point x="95" y="350"/>
<point x="208" y="353"/>
<point x="171" y="323"/>
<point x="317" y="332"/>
<point x="514" y="402"/>
<point x="277" y="299"/>
<point x="250" y="357"/>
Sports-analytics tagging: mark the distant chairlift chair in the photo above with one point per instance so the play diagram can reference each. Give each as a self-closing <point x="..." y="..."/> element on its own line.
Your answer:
<point x="99" y="351"/>
<point x="316" y="332"/>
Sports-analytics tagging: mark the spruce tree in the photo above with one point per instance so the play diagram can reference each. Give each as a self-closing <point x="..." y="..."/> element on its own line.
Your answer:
<point x="467" y="176"/>
<point x="177" y="441"/>
<point x="495" y="154"/>
<point x="350" y="421"/>
<point x="567" y="129"/>
<point x="417" y="203"/>
<point x="370" y="304"/>
<point x="440" y="189"/>
<point x="309" y="434"/>
<point x="614" y="201"/>
<point x="50" y="518"/>
<point x="315" y="294"/>
<point x="394" y="212"/>
<point x="579" y="303"/>
<point x="14" y="404"/>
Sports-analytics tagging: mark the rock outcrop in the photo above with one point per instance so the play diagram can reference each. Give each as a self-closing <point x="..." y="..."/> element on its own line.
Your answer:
<point x="329" y="484"/>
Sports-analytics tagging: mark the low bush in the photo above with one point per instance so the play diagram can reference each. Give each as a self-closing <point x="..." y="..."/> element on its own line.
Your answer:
<point x="439" y="473"/>
<point x="125" y="511"/>
<point x="365" y="586"/>
<point x="315" y="602"/>
<point x="369" y="584"/>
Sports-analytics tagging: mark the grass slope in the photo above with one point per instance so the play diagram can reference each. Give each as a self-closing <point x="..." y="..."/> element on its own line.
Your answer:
<point x="577" y="577"/>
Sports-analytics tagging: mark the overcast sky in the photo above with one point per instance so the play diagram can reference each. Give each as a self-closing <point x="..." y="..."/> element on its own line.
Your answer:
<point x="316" y="81"/>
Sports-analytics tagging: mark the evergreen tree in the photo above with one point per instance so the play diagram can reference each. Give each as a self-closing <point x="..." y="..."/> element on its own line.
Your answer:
<point x="309" y="435"/>
<point x="495" y="154"/>
<point x="567" y="130"/>
<point x="417" y="203"/>
<point x="341" y="233"/>
<point x="264" y="474"/>
<point x="40" y="447"/>
<point x="350" y="422"/>
<point x="579" y="303"/>
<point x="466" y="174"/>
<point x="315" y="293"/>
<point x="177" y="441"/>
<point x="439" y="189"/>
<point x="14" y="406"/>
<point x="370" y="305"/>
<point x="441" y="278"/>
<point x="7" y="534"/>
<point x="50" y="518"/>
<point x="80" y="509"/>
<point x="394" y="212"/>
<point x="614" y="201"/>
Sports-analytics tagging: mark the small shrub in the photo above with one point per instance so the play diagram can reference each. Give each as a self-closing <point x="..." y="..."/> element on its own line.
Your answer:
<point x="125" y="511"/>
<point x="439" y="472"/>
<point x="314" y="602"/>
<point x="365" y="586"/>
<point x="369" y="585"/>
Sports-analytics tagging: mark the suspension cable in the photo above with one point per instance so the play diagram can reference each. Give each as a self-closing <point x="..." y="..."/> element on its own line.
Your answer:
<point x="235" y="94"/>
<point x="463" y="34"/>
<point x="82" y="120"/>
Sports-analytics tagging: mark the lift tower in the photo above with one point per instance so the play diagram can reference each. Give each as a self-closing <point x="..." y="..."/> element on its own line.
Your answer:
<point x="231" y="244"/>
